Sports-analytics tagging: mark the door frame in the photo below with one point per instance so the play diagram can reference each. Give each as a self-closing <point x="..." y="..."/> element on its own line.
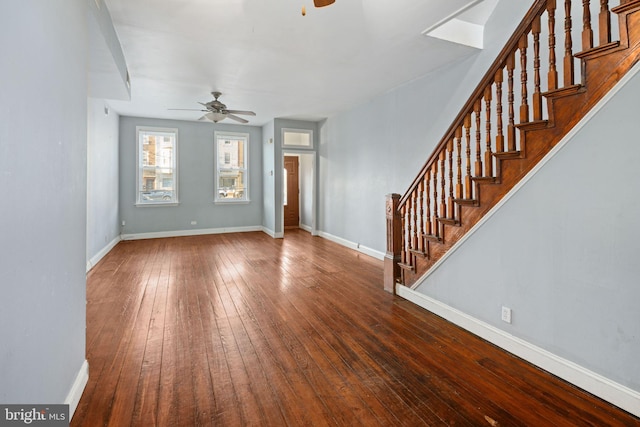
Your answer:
<point x="313" y="155"/>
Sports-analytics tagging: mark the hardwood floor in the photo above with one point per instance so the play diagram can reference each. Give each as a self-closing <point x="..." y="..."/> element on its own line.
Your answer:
<point x="246" y="330"/>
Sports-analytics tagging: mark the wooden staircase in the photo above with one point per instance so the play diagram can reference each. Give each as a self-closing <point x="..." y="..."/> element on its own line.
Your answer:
<point x="488" y="149"/>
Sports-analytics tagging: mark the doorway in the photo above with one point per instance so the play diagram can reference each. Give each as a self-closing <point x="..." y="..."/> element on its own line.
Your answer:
<point x="302" y="188"/>
<point x="291" y="196"/>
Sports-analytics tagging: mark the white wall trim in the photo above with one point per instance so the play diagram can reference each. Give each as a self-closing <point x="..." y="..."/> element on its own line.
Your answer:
<point x="594" y="383"/>
<point x="196" y="232"/>
<point x="310" y="229"/>
<point x="77" y="388"/>
<point x="555" y="150"/>
<point x="272" y="233"/>
<point x="352" y="245"/>
<point x="306" y="228"/>
<point x="97" y="257"/>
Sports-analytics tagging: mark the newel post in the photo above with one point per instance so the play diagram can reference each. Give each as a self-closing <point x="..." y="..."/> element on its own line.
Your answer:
<point x="394" y="243"/>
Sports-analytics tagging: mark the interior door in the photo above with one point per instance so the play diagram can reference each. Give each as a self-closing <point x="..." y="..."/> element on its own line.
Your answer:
<point x="292" y="192"/>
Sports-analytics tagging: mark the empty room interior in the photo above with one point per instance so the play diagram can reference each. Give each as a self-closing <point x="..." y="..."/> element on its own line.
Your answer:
<point x="320" y="212"/>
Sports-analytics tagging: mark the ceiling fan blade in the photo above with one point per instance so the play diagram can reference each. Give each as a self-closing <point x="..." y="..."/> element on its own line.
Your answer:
<point x="246" y="113"/>
<point x="237" y="119"/>
<point x="322" y="3"/>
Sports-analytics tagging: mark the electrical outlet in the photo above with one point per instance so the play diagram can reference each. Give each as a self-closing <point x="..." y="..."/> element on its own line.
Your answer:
<point x="506" y="314"/>
<point x="194" y="222"/>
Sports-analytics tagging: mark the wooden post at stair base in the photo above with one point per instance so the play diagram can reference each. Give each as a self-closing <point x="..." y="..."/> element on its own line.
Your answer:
<point x="394" y="243"/>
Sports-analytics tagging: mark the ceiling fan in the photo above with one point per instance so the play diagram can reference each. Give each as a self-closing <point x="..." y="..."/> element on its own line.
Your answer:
<point x="216" y="111"/>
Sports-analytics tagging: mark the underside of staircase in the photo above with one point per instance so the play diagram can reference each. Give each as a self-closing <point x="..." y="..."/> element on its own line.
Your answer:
<point x="532" y="96"/>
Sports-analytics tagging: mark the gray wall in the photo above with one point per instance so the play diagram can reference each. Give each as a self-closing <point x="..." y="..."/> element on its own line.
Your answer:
<point x="268" y="176"/>
<point x="196" y="169"/>
<point x="103" y="224"/>
<point x="562" y="253"/>
<point x="378" y="147"/>
<point x="43" y="159"/>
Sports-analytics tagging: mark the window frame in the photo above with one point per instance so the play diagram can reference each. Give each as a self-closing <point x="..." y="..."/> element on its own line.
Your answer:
<point x="245" y="137"/>
<point x="140" y="132"/>
<point x="308" y="132"/>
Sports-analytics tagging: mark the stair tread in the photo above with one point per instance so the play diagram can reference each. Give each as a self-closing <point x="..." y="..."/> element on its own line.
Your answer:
<point x="508" y="155"/>
<point x="418" y="252"/>
<point x="467" y="202"/>
<point x="431" y="237"/>
<point x="534" y="125"/>
<point x="406" y="266"/>
<point x="627" y="7"/>
<point x="597" y="51"/>
<point x="488" y="179"/>
<point x="449" y="221"/>
<point x="565" y="91"/>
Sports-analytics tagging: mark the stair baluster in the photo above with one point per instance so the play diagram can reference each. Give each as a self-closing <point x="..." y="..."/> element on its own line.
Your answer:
<point x="488" y="154"/>
<point x="499" y="137"/>
<point x="552" y="76"/>
<point x="604" y="23"/>
<point x="511" y="128"/>
<point x="587" y="32"/>
<point x="468" y="187"/>
<point x="568" y="46"/>
<point x="524" y="106"/>
<point x="537" y="95"/>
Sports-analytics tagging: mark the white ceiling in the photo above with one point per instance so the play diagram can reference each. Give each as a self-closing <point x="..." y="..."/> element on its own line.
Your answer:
<point x="263" y="55"/>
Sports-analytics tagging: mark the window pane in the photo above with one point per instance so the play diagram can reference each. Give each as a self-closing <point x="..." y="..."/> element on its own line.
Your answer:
<point x="231" y="168"/>
<point x="157" y="168"/>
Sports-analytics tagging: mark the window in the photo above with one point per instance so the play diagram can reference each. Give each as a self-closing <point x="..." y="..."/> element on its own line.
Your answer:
<point x="231" y="151"/>
<point x="157" y="166"/>
<point x="300" y="138"/>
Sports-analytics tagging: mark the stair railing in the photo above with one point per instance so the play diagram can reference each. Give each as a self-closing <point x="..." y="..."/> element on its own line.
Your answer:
<point x="508" y="98"/>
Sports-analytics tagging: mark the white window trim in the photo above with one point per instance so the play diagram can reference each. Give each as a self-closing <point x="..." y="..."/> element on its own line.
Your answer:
<point x="225" y="201"/>
<point x="140" y="203"/>
<point x="295" y="146"/>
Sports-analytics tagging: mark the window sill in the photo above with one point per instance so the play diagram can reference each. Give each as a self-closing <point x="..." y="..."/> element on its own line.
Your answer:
<point x="155" y="205"/>
<point x="231" y="202"/>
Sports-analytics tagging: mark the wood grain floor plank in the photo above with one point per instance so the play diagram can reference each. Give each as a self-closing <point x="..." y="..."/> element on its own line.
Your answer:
<point x="246" y="330"/>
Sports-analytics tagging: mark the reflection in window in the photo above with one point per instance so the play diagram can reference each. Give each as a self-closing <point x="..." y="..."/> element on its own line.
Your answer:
<point x="284" y="185"/>
<point x="231" y="167"/>
<point x="157" y="166"/>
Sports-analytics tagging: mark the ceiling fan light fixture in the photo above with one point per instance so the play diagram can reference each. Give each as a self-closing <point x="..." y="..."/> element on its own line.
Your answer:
<point x="323" y="3"/>
<point x="216" y="117"/>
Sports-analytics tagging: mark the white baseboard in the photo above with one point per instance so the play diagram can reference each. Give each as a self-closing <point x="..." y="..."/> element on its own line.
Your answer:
<point x="272" y="233"/>
<point x="309" y="229"/>
<point x="195" y="232"/>
<point x="352" y="245"/>
<point x="97" y="257"/>
<point x="73" y="398"/>
<point x="594" y="383"/>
